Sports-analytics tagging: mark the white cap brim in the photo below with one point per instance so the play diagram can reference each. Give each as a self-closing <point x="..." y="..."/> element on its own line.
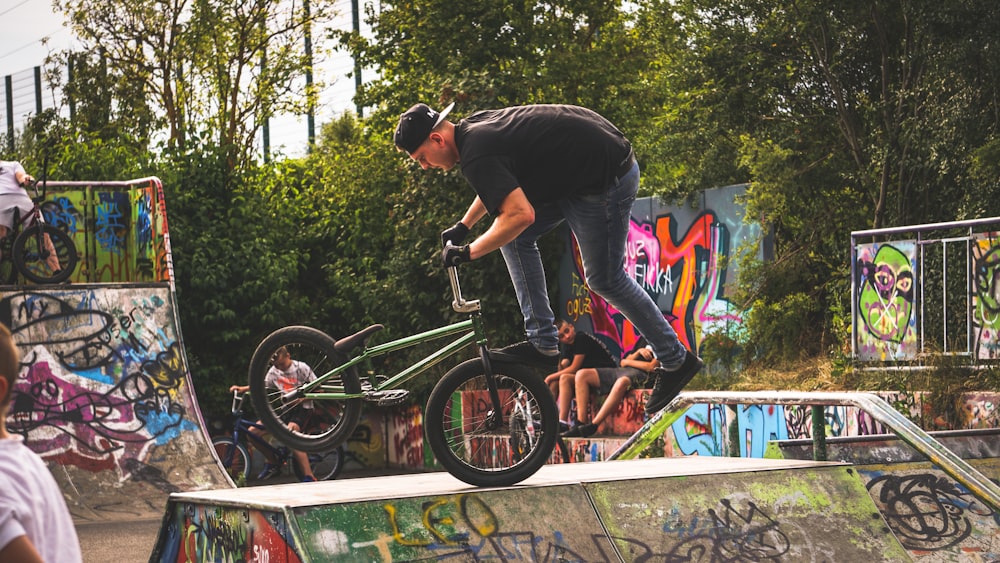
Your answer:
<point x="444" y="113"/>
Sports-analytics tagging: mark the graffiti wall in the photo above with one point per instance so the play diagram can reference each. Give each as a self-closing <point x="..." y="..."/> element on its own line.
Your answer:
<point x="683" y="257"/>
<point x="119" y="229"/>
<point x="986" y="295"/>
<point x="817" y="514"/>
<point x="886" y="285"/>
<point x="104" y="396"/>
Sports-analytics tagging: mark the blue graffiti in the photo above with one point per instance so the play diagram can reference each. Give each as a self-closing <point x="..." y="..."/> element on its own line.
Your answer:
<point x="110" y="224"/>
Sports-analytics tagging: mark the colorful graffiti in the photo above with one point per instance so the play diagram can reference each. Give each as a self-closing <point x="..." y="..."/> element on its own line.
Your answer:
<point x="886" y="285"/>
<point x="119" y="228"/>
<point x="683" y="263"/>
<point x="821" y="514"/>
<point x="986" y="295"/>
<point x="104" y="391"/>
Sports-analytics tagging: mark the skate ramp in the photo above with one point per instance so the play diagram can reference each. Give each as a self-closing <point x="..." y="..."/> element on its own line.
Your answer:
<point x="934" y="517"/>
<point x="661" y="509"/>
<point x="105" y="397"/>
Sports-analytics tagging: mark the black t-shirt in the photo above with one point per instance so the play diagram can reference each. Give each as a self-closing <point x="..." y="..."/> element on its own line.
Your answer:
<point x="595" y="354"/>
<point x="549" y="151"/>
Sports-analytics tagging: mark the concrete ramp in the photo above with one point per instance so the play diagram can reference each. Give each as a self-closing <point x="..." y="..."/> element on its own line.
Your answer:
<point x="661" y="509"/>
<point x="934" y="516"/>
<point x="105" y="397"/>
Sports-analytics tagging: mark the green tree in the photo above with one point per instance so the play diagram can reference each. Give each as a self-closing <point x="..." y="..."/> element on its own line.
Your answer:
<point x="841" y="116"/>
<point x="210" y="68"/>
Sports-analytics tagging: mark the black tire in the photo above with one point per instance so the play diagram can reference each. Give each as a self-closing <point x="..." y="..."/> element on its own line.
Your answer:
<point x="326" y="425"/>
<point x="325" y="466"/>
<point x="234" y="457"/>
<point x="477" y="451"/>
<point x="30" y="254"/>
<point x="8" y="271"/>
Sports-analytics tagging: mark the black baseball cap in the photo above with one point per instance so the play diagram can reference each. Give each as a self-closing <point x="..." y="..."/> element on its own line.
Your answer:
<point x="416" y="124"/>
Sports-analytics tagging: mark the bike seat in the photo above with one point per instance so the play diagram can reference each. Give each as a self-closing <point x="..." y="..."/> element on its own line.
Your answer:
<point x="345" y="345"/>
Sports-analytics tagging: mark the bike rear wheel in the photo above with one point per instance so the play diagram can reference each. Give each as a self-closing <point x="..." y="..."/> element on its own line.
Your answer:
<point x="31" y="253"/>
<point x="475" y="445"/>
<point x="325" y="466"/>
<point x="234" y="457"/>
<point x="323" y="424"/>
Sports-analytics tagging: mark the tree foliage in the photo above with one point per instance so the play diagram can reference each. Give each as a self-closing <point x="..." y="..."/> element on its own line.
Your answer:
<point x="840" y="116"/>
<point x="207" y="67"/>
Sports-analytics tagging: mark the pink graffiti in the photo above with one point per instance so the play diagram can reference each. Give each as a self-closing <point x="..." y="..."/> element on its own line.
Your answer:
<point x="689" y="270"/>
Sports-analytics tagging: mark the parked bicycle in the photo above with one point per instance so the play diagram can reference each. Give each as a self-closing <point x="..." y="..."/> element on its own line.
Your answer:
<point x="490" y="421"/>
<point x="38" y="251"/>
<point x="235" y="450"/>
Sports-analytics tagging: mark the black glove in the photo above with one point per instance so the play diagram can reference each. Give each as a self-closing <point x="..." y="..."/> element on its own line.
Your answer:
<point x="454" y="234"/>
<point x="453" y="255"/>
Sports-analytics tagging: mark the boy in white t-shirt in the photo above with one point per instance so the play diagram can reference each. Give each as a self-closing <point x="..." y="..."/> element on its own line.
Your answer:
<point x="35" y="525"/>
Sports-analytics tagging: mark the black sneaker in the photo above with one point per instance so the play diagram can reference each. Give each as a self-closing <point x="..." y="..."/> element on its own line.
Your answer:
<point x="525" y="352"/>
<point x="670" y="383"/>
<point x="587" y="430"/>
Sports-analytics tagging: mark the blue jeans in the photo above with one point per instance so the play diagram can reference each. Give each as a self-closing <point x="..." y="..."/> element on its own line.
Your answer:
<point x="600" y="223"/>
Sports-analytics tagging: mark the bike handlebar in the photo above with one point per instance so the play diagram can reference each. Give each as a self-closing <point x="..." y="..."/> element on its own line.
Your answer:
<point x="459" y="304"/>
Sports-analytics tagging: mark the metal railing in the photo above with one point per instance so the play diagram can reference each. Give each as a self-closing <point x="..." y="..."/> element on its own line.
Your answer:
<point x="979" y="485"/>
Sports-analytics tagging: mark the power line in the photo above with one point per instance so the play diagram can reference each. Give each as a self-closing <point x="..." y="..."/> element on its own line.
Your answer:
<point x="14" y="7"/>
<point x="30" y="43"/>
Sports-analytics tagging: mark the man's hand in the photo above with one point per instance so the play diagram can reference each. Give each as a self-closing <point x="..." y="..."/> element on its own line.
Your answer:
<point x="453" y="255"/>
<point x="454" y="234"/>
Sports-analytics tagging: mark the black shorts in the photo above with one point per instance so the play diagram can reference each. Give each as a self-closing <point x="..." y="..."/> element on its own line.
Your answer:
<point x="608" y="376"/>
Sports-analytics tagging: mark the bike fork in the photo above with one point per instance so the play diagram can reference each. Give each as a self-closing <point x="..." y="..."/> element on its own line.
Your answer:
<point x="495" y="417"/>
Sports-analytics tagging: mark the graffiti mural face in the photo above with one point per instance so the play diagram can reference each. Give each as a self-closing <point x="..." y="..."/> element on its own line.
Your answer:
<point x="886" y="300"/>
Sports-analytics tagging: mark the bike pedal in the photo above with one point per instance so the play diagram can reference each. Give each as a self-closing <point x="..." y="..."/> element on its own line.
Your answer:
<point x="388" y="397"/>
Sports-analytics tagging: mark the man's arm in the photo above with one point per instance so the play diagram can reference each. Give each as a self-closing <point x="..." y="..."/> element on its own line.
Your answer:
<point x="514" y="216"/>
<point x="20" y="550"/>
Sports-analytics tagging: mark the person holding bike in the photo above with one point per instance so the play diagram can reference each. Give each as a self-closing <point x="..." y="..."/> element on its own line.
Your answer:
<point x="532" y="168"/>
<point x="285" y="374"/>
<point x="13" y="196"/>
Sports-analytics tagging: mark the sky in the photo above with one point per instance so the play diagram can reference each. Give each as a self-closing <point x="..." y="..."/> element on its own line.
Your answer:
<point x="32" y="30"/>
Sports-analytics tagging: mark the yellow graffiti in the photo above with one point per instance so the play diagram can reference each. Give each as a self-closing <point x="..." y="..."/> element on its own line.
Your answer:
<point x="441" y="513"/>
<point x="396" y="534"/>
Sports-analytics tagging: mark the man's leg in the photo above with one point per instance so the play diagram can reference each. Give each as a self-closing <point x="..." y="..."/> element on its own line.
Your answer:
<point x="601" y="225"/>
<point x="618" y="391"/>
<point x="566" y="388"/>
<point x="583" y="384"/>
<point x="524" y="264"/>
<point x="302" y="458"/>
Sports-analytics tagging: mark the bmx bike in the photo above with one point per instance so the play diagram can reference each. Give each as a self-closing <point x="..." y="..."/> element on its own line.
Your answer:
<point x="490" y="421"/>
<point x="234" y="450"/>
<point x="38" y="251"/>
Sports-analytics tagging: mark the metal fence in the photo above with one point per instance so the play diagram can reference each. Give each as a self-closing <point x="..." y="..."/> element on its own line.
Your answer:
<point x="926" y="291"/>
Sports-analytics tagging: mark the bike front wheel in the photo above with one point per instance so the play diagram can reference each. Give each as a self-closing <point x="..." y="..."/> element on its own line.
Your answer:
<point x="313" y="425"/>
<point x="44" y="254"/>
<point x="481" y="446"/>
<point x="234" y="457"/>
<point x="325" y="466"/>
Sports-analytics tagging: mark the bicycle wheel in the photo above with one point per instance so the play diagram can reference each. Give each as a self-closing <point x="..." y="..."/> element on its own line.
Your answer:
<point x="234" y="457"/>
<point x="8" y="271"/>
<point x="323" y="424"/>
<point x="474" y="444"/>
<point x="325" y="466"/>
<point x="31" y="253"/>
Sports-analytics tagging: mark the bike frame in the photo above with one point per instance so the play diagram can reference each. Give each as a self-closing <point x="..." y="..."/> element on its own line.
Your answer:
<point x="241" y="429"/>
<point x="473" y="332"/>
